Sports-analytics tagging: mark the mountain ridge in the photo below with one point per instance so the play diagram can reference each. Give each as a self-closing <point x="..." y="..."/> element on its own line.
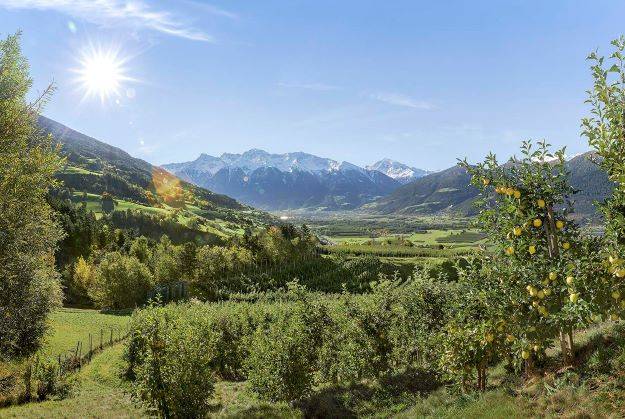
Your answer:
<point x="292" y="180"/>
<point x="449" y="191"/>
<point x="94" y="170"/>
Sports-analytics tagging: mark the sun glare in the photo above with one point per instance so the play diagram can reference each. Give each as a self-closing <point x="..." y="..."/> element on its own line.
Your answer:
<point x="102" y="73"/>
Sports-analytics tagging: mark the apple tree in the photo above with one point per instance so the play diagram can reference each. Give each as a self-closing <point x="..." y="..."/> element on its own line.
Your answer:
<point x="525" y="209"/>
<point x="605" y="131"/>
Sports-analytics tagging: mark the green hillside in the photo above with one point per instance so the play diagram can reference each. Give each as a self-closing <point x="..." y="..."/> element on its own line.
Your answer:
<point x="96" y="172"/>
<point x="449" y="191"/>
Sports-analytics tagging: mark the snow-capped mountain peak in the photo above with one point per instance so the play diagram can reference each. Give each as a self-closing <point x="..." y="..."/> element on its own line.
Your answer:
<point x="396" y="170"/>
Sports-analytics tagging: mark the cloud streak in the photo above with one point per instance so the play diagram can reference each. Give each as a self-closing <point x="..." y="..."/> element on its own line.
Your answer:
<point x="213" y="10"/>
<point x="399" y="99"/>
<point x="320" y="87"/>
<point x="134" y="13"/>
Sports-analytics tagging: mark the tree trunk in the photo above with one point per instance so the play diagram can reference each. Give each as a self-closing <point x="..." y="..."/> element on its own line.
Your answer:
<point x="529" y="366"/>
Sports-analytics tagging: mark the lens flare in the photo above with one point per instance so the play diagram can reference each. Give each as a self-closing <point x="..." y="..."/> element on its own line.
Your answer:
<point x="168" y="188"/>
<point x="102" y="73"/>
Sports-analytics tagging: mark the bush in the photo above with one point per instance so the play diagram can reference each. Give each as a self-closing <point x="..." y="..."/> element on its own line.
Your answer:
<point x="120" y="282"/>
<point x="173" y="370"/>
<point x="282" y="358"/>
<point x="286" y="343"/>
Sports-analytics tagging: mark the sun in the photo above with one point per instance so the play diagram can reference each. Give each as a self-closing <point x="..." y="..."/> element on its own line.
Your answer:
<point x="102" y="73"/>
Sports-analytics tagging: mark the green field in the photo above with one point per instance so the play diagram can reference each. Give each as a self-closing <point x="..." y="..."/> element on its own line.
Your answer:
<point x="80" y="171"/>
<point x="215" y="226"/>
<point x="69" y="326"/>
<point x="98" y="392"/>
<point x="94" y="203"/>
<point x="425" y="244"/>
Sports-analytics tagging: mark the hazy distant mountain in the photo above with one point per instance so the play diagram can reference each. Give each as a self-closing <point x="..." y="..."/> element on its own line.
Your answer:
<point x="287" y="181"/>
<point x="449" y="191"/>
<point x="398" y="171"/>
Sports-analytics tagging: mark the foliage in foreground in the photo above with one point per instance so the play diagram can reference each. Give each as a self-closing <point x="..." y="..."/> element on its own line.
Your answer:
<point x="29" y="286"/>
<point x="287" y="347"/>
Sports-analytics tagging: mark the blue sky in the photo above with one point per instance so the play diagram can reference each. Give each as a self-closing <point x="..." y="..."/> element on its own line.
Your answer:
<point x="422" y="82"/>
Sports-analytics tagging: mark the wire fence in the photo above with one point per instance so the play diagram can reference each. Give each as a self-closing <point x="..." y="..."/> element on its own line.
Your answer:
<point x="81" y="354"/>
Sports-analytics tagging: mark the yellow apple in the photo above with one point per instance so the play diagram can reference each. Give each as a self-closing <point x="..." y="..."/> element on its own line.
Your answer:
<point x="532" y="249"/>
<point x="517" y="194"/>
<point x="541" y="203"/>
<point x="517" y="231"/>
<point x="509" y="251"/>
<point x="547" y="292"/>
<point x="574" y="297"/>
<point x="559" y="224"/>
<point x="537" y="222"/>
<point x="553" y="276"/>
<point x="569" y="280"/>
<point x="525" y="354"/>
<point x="486" y="181"/>
<point x="566" y="245"/>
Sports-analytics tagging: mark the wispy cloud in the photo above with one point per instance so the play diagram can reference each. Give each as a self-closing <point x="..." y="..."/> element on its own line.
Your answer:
<point x="399" y="99"/>
<point x="321" y="87"/>
<point x="134" y="13"/>
<point x="213" y="10"/>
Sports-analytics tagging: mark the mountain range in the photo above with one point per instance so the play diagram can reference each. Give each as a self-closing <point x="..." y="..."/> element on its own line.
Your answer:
<point x="295" y="180"/>
<point x="94" y="169"/>
<point x="448" y="191"/>
<point x="202" y="192"/>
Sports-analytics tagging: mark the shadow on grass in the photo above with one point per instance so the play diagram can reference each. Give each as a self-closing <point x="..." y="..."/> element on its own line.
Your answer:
<point x="389" y="392"/>
<point x="262" y="412"/>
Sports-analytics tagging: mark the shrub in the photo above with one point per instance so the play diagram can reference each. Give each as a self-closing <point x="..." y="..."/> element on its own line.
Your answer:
<point x="120" y="282"/>
<point x="282" y="358"/>
<point x="173" y="370"/>
<point x="286" y="342"/>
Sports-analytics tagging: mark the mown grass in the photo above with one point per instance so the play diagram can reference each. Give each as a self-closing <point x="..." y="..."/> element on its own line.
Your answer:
<point x="69" y="326"/>
<point x="98" y="392"/>
<point x="94" y="203"/>
<point x="80" y="171"/>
